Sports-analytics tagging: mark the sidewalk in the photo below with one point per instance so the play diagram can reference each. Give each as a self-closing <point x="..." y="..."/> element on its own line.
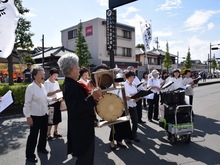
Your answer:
<point x="209" y="81"/>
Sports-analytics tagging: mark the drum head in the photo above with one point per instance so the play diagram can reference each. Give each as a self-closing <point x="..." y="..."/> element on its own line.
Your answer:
<point x="110" y="107"/>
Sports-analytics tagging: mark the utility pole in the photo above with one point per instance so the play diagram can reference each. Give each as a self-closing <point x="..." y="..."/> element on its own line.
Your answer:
<point x="43" y="51"/>
<point x="157" y="42"/>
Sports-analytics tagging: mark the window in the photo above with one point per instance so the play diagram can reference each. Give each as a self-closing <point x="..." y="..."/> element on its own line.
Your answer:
<point x="126" y="34"/>
<point x="126" y="52"/>
<point x="72" y="34"/>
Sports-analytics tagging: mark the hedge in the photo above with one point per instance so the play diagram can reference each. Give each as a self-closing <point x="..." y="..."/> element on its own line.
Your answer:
<point x="18" y="90"/>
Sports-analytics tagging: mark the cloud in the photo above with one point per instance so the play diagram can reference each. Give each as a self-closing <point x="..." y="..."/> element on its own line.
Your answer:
<point x="162" y="33"/>
<point x="30" y="14"/>
<point x="129" y="10"/>
<point x="198" y="19"/>
<point x="102" y="2"/>
<point x="211" y="26"/>
<point x="170" y="4"/>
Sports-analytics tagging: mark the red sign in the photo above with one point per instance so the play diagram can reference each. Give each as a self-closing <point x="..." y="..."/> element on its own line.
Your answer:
<point x="89" y="31"/>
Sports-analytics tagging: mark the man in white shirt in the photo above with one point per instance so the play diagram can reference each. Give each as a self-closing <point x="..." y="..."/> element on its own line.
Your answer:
<point x="154" y="84"/>
<point x="130" y="90"/>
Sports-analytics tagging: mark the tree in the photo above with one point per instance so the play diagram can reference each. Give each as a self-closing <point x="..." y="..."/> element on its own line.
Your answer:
<point x="167" y="62"/>
<point x="140" y="46"/>
<point x="214" y="64"/>
<point x="82" y="48"/>
<point x="187" y="63"/>
<point x="23" y="37"/>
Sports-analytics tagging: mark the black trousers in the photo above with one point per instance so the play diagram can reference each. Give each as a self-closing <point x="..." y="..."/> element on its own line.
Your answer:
<point x="88" y="157"/>
<point x="39" y="124"/>
<point x="153" y="107"/>
<point x="134" y="121"/>
<point x="139" y="109"/>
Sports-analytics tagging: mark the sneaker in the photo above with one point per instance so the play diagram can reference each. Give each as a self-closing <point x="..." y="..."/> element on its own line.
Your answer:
<point x="57" y="134"/>
<point x="50" y="138"/>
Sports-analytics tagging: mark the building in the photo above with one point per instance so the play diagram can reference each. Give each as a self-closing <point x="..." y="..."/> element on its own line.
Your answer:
<point x="154" y="59"/>
<point x="94" y="32"/>
<point x="51" y="56"/>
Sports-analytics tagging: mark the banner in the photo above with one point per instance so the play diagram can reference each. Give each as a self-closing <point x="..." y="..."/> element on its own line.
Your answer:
<point x="146" y="32"/>
<point x="8" y="23"/>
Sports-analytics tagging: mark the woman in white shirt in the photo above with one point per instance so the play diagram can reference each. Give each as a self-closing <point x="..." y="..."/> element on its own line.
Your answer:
<point x="189" y="90"/>
<point x="144" y="80"/>
<point x="36" y="111"/>
<point x="52" y="87"/>
<point x="177" y="79"/>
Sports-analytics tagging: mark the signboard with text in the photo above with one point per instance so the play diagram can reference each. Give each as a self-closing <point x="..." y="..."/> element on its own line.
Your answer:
<point x="111" y="30"/>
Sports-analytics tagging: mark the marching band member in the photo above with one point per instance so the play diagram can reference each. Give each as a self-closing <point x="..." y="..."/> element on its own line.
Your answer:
<point x="154" y="84"/>
<point x="130" y="89"/>
<point x="80" y="128"/>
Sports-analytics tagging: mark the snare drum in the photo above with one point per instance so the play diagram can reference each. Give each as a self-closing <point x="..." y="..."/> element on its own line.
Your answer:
<point x="110" y="107"/>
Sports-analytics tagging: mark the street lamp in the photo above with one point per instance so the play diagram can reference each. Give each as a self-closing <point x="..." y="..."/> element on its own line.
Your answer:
<point x="212" y="48"/>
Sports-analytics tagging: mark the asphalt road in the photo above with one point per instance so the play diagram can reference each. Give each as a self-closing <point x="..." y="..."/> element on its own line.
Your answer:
<point x="154" y="147"/>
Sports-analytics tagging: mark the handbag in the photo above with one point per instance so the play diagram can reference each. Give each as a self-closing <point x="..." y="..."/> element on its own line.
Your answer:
<point x="63" y="106"/>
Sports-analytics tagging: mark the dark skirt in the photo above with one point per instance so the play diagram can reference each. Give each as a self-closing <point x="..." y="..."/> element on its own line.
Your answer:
<point x="120" y="131"/>
<point x="57" y="113"/>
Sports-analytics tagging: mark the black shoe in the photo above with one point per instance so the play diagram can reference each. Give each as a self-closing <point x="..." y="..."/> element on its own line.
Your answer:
<point x="43" y="151"/>
<point x="137" y="140"/>
<point x="32" y="160"/>
<point x="150" y="120"/>
<point x="121" y="145"/>
<point x="113" y="148"/>
<point x="57" y="135"/>
<point x="156" y="119"/>
<point x="141" y="122"/>
<point x="50" y="138"/>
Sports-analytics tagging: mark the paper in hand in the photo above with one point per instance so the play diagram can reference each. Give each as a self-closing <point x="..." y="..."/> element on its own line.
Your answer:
<point x="6" y="100"/>
<point x="59" y="95"/>
<point x="141" y="93"/>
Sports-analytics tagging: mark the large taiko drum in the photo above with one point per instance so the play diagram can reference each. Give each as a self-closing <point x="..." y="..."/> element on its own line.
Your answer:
<point x="110" y="107"/>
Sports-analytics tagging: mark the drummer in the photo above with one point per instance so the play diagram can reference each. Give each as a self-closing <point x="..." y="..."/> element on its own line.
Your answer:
<point x="130" y="89"/>
<point x="121" y="130"/>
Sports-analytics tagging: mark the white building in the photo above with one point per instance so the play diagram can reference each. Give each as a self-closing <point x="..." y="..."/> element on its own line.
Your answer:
<point x="94" y="32"/>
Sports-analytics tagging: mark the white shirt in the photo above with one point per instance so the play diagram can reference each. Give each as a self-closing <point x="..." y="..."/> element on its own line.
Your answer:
<point x="36" y="101"/>
<point x="83" y="81"/>
<point x="178" y="83"/>
<point x="51" y="87"/>
<point x="130" y="90"/>
<point x="154" y="82"/>
<point x="189" y="90"/>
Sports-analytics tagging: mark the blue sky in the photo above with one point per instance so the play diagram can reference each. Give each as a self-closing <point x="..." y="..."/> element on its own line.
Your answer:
<point x="183" y="24"/>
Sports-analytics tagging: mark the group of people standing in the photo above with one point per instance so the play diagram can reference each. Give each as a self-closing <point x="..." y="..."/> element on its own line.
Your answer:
<point x="81" y="96"/>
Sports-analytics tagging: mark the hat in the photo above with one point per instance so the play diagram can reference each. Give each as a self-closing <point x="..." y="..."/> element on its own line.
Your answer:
<point x="176" y="70"/>
<point x="154" y="72"/>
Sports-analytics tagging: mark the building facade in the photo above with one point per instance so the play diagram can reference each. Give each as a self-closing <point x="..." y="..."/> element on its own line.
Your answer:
<point x="94" y="32"/>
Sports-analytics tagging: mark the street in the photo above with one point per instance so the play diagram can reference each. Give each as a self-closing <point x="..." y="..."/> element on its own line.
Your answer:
<point x="154" y="147"/>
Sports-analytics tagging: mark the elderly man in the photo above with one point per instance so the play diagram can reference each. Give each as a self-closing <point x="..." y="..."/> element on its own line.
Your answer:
<point x="80" y="133"/>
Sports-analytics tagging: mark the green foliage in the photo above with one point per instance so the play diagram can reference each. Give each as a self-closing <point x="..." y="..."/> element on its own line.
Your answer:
<point x="18" y="90"/>
<point x="26" y="58"/>
<point x="23" y="37"/>
<point x="214" y="64"/>
<point x="187" y="63"/>
<point x="140" y="46"/>
<point x="167" y="62"/>
<point x="82" y="48"/>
